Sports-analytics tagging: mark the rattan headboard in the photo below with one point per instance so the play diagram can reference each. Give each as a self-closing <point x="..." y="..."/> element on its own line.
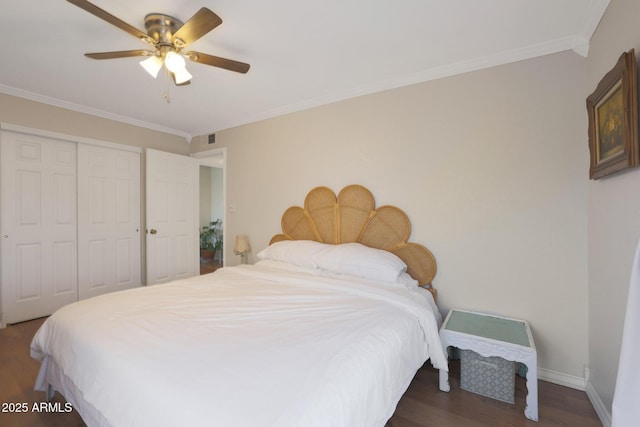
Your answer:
<point x="353" y="217"/>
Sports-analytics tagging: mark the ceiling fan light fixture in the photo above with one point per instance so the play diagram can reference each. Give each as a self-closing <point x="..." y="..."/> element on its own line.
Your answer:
<point x="174" y="62"/>
<point x="152" y="65"/>
<point x="182" y="76"/>
<point x="168" y="36"/>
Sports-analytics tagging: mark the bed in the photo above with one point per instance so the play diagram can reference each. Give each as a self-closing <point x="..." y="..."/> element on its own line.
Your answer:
<point x="327" y="328"/>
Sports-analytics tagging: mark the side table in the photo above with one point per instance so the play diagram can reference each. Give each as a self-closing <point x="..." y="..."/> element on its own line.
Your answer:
<point x="490" y="335"/>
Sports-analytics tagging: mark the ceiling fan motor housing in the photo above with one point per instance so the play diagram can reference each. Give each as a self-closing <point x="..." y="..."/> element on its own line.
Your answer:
<point x="161" y="28"/>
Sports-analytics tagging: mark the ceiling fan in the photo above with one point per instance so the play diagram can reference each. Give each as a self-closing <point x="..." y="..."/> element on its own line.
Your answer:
<point x="168" y="36"/>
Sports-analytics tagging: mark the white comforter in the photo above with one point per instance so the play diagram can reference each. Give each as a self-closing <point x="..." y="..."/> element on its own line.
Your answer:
<point x="246" y="346"/>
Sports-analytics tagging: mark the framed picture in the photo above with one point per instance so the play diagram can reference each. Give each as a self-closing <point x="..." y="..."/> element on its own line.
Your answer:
<point x="613" y="120"/>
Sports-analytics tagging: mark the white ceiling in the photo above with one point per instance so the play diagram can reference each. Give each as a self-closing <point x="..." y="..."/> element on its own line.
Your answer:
<point x="302" y="53"/>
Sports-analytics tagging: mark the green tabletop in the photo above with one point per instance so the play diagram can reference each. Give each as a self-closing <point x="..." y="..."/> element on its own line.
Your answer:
<point x="487" y="326"/>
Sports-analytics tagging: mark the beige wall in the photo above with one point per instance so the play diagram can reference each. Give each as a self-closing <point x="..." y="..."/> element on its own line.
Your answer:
<point x="614" y="220"/>
<point x="211" y="191"/>
<point x="205" y="196"/>
<point x="490" y="166"/>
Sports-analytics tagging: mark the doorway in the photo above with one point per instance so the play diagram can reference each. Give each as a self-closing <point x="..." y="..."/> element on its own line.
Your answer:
<point x="211" y="209"/>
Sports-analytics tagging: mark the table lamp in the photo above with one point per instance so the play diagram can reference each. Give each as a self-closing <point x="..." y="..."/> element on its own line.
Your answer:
<point x="241" y="247"/>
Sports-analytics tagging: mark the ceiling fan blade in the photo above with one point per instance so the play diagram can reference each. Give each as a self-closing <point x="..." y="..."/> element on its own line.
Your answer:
<point x="106" y="16"/>
<point x="216" y="61"/>
<point x="119" y="54"/>
<point x="197" y="26"/>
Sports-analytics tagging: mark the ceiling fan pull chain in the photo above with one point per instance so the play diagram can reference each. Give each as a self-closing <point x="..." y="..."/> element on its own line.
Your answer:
<point x="167" y="87"/>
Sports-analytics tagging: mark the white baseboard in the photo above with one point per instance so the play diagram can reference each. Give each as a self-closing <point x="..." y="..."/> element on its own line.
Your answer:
<point x="579" y="383"/>
<point x="601" y="409"/>
<point x="559" y="378"/>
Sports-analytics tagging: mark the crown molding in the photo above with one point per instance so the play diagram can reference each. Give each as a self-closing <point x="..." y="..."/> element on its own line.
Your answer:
<point x="575" y="43"/>
<point x="91" y="111"/>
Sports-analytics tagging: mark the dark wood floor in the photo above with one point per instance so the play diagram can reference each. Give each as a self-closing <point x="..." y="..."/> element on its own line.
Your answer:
<point x="18" y="373"/>
<point x="422" y="405"/>
<point x="208" y="267"/>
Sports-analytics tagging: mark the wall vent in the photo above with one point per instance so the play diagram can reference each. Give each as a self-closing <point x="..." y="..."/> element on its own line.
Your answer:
<point x="212" y="138"/>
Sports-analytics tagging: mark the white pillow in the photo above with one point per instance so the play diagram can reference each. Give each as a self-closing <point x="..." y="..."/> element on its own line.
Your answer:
<point x="408" y="281"/>
<point x="297" y="252"/>
<point x="287" y="266"/>
<point x="359" y="260"/>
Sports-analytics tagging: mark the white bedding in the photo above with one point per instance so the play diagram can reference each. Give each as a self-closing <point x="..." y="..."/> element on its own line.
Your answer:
<point x="246" y="346"/>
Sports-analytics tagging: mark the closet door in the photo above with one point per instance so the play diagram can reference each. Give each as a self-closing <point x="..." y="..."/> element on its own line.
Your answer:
<point x="108" y="220"/>
<point x="38" y="221"/>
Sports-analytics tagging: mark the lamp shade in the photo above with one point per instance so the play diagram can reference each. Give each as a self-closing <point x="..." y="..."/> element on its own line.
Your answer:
<point x="241" y="245"/>
<point x="182" y="76"/>
<point x="152" y="65"/>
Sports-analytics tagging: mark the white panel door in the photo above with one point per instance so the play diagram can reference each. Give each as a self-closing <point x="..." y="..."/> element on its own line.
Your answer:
<point x="38" y="221"/>
<point x="108" y="220"/>
<point x="172" y="227"/>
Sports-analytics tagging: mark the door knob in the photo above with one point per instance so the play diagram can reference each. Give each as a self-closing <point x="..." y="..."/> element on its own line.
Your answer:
<point x="153" y="231"/>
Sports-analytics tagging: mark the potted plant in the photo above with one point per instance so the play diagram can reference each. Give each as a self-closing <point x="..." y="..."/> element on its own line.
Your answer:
<point x="210" y="241"/>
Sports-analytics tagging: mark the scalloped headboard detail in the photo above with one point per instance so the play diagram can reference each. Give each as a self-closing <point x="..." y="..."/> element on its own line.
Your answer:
<point x="352" y="217"/>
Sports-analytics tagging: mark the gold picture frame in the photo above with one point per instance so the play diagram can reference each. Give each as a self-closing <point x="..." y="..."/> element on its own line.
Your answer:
<point x="613" y="120"/>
